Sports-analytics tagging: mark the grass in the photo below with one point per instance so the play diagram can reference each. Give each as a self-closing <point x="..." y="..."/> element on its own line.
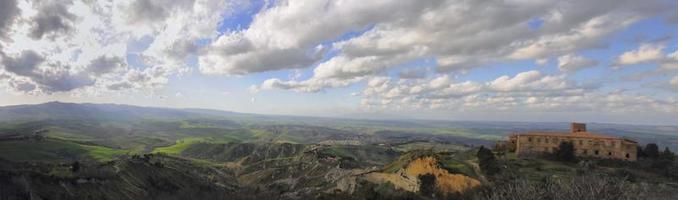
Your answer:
<point x="52" y="149"/>
<point x="180" y="145"/>
<point x="535" y="169"/>
<point x="339" y="151"/>
<point x="209" y="135"/>
<point x="458" y="167"/>
<point x="103" y="154"/>
<point x="437" y="147"/>
<point x="261" y="134"/>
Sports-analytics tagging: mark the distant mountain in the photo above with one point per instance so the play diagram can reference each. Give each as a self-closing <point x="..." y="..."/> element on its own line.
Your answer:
<point x="58" y="114"/>
<point x="67" y="111"/>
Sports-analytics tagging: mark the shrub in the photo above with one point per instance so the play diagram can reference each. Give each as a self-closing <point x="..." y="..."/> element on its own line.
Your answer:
<point x="427" y="186"/>
<point x="667" y="155"/>
<point x="75" y="167"/>
<point x="651" y="150"/>
<point x="487" y="162"/>
<point x="578" y="188"/>
<point x="565" y="152"/>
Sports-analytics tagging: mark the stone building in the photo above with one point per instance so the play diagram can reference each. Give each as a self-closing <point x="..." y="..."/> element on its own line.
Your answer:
<point x="586" y="144"/>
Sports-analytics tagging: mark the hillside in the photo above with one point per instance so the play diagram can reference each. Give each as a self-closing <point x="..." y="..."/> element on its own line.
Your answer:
<point x="102" y="151"/>
<point x="147" y="177"/>
<point x="143" y="128"/>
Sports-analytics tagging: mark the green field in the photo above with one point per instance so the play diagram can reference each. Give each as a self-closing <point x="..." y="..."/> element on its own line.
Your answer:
<point x="55" y="150"/>
<point x="180" y="145"/>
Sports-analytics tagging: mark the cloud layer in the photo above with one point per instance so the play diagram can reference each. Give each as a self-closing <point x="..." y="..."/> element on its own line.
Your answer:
<point x="459" y="35"/>
<point x="399" y="54"/>
<point x="58" y="46"/>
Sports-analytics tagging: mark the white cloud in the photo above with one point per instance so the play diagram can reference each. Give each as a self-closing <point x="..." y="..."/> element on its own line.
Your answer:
<point x="444" y="88"/>
<point x="414" y="73"/>
<point x="8" y="14"/>
<point x="645" y="53"/>
<point x="471" y="97"/>
<point x="526" y="92"/>
<point x="571" y="63"/>
<point x="59" y="46"/>
<point x="530" y="80"/>
<point x="458" y="35"/>
<point x="674" y="82"/>
<point x="287" y="35"/>
<point x="310" y="85"/>
<point x="587" y="34"/>
<point x="542" y="61"/>
<point x="671" y="62"/>
<point x="78" y="44"/>
<point x="53" y="18"/>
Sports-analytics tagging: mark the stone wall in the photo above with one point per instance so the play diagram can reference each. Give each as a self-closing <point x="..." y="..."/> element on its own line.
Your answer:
<point x="616" y="148"/>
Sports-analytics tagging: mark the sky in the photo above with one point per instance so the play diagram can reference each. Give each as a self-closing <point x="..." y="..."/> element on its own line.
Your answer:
<point x="509" y="60"/>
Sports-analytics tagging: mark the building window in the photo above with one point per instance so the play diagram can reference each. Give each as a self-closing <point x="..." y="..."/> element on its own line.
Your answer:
<point x="581" y="142"/>
<point x="546" y="140"/>
<point x="595" y="152"/>
<point x="586" y="151"/>
<point x="538" y="140"/>
<point x="627" y="155"/>
<point x="609" y="153"/>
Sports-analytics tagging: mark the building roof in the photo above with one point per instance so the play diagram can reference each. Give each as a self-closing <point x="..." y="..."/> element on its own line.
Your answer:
<point x="568" y="134"/>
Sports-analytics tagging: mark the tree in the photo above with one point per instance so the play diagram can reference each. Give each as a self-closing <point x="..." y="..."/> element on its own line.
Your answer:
<point x="651" y="150"/>
<point x="565" y="152"/>
<point x="427" y="185"/>
<point x="487" y="161"/>
<point x="640" y="153"/>
<point x="667" y="155"/>
<point x="75" y="166"/>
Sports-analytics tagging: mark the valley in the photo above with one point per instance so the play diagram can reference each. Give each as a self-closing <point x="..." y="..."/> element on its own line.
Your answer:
<point x="154" y="153"/>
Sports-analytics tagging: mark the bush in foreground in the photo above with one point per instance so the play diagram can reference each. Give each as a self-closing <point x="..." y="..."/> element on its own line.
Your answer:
<point x="577" y="188"/>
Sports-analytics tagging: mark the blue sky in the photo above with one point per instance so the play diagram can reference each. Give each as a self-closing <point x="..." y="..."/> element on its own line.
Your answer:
<point x="517" y="61"/>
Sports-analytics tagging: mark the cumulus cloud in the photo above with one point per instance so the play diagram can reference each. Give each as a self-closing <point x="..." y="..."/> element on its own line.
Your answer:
<point x="445" y="87"/>
<point x="105" y="64"/>
<point x="65" y="45"/>
<point x="237" y="55"/>
<point x="289" y="34"/>
<point x="571" y="63"/>
<point x="53" y="18"/>
<point x="652" y="54"/>
<point x="310" y="85"/>
<point x="458" y="35"/>
<point x="413" y="73"/>
<point x="671" y="62"/>
<point x="51" y="46"/>
<point x="37" y="73"/>
<point x="8" y="13"/>
<point x="645" y="53"/>
<point x="530" y="80"/>
<point x="150" y="10"/>
<point x="542" y="93"/>
<point x="674" y="82"/>
<point x="23" y="64"/>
